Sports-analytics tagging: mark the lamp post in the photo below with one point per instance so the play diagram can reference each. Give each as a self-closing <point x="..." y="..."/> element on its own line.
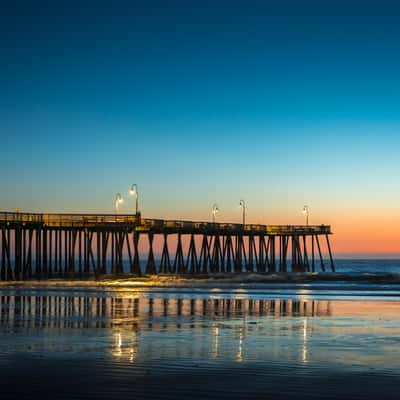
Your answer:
<point x="133" y="191"/>
<point x="118" y="200"/>
<point x="243" y="205"/>
<point x="214" y="211"/>
<point x="306" y="211"/>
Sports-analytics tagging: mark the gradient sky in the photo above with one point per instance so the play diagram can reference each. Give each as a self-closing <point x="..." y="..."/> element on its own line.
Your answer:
<point x="280" y="103"/>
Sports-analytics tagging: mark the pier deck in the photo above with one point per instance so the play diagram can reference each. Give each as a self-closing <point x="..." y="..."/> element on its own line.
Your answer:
<point x="133" y="223"/>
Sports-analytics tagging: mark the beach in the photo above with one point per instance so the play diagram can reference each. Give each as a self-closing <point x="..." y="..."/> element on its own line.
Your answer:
<point x="207" y="340"/>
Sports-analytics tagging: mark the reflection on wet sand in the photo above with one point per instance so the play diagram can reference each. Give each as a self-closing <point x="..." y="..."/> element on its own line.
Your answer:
<point x="109" y="312"/>
<point x="131" y="338"/>
<point x="129" y="316"/>
<point x="220" y="327"/>
<point x="95" y="312"/>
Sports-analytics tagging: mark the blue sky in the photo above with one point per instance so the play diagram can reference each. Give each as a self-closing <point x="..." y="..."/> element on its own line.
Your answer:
<point x="200" y="102"/>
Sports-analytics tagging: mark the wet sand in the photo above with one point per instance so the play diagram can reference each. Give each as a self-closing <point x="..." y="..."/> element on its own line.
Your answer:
<point x="218" y="279"/>
<point x="177" y="344"/>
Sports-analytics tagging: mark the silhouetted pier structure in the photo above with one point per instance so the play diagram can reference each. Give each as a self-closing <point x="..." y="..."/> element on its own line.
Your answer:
<point x="44" y="246"/>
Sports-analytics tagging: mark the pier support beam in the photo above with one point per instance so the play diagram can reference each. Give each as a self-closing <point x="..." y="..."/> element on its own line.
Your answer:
<point x="151" y="266"/>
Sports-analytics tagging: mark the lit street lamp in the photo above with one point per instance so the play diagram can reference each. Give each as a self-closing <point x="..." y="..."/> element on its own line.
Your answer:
<point x="118" y="200"/>
<point x="133" y="191"/>
<point x="306" y="211"/>
<point x="214" y="211"/>
<point x="243" y="205"/>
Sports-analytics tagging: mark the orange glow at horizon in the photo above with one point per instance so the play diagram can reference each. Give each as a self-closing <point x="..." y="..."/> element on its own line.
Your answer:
<point x="368" y="234"/>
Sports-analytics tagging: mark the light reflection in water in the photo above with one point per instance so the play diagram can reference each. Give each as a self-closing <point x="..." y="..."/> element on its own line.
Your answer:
<point x="125" y="345"/>
<point x="162" y="326"/>
<point x="239" y="355"/>
<point x="216" y="341"/>
<point x="117" y="348"/>
<point x="127" y="316"/>
<point x="304" y="354"/>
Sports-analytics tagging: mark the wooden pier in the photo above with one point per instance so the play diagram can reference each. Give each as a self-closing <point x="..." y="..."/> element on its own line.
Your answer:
<point x="43" y="246"/>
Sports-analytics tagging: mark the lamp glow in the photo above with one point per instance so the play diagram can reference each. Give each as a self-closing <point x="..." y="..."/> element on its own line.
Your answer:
<point x="306" y="211"/>
<point x="214" y="211"/>
<point x="243" y="205"/>
<point x="133" y="191"/>
<point x="118" y="200"/>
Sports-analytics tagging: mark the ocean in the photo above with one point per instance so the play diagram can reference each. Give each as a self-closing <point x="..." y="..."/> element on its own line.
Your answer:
<point x="368" y="266"/>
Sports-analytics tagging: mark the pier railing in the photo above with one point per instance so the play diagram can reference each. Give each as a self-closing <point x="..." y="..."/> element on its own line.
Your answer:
<point x="60" y="219"/>
<point x="136" y="223"/>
